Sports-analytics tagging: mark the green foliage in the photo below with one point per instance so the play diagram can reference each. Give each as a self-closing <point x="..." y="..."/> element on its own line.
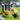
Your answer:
<point x="11" y="17"/>
<point x="17" y="0"/>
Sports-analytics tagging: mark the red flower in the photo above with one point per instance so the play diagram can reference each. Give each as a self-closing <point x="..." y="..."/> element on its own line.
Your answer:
<point x="6" y="13"/>
<point x="9" y="8"/>
<point x="0" y="13"/>
<point x="3" y="11"/>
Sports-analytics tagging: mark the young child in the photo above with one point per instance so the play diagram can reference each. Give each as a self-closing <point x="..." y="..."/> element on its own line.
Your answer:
<point x="15" y="13"/>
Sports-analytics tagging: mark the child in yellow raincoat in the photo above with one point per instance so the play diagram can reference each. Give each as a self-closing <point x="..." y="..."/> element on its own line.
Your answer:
<point x="15" y="13"/>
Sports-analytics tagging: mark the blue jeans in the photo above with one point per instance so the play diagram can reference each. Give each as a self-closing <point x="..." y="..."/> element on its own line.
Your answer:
<point x="15" y="16"/>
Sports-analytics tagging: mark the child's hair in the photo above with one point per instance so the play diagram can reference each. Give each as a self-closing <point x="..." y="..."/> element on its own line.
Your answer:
<point x="12" y="10"/>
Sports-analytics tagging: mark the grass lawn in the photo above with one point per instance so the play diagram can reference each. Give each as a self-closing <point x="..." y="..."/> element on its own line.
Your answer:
<point x="10" y="17"/>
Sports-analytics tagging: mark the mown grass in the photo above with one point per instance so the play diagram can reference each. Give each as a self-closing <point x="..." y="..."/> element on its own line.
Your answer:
<point x="10" y="17"/>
